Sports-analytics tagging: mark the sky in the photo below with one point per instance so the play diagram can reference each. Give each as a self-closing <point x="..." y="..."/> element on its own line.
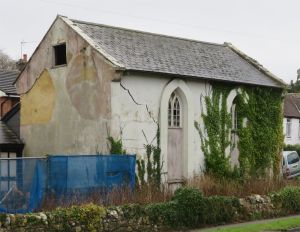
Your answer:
<point x="266" y="30"/>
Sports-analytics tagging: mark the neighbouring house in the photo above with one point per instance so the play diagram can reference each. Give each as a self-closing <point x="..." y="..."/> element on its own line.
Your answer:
<point x="10" y="144"/>
<point x="291" y="122"/>
<point x="8" y="92"/>
<point x="88" y="81"/>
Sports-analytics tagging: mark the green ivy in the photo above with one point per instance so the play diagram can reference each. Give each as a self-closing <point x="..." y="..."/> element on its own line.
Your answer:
<point x="259" y="111"/>
<point x="215" y="135"/>
<point x="152" y="165"/>
<point x="116" y="146"/>
<point x="261" y="140"/>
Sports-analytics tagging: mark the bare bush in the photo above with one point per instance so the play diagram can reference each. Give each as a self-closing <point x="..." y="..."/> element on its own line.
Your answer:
<point x="6" y="62"/>
<point x="212" y="186"/>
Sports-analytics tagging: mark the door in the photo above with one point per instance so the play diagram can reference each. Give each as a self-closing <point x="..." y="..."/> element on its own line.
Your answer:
<point x="175" y="140"/>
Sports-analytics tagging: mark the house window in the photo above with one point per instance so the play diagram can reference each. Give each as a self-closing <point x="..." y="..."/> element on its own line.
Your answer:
<point x="60" y="57"/>
<point x="288" y="128"/>
<point x="8" y="171"/>
<point x="174" y="111"/>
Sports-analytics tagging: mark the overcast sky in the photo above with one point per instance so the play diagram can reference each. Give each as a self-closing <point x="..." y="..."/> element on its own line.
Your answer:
<point x="266" y="30"/>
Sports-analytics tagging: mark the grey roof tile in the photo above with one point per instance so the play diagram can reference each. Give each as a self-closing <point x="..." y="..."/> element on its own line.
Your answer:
<point x="7" y="78"/>
<point x="292" y="105"/>
<point x="143" y="51"/>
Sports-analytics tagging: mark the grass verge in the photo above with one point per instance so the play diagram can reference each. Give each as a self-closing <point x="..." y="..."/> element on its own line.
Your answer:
<point x="281" y="224"/>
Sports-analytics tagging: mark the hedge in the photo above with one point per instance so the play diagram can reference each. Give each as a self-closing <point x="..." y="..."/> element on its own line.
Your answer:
<point x="189" y="208"/>
<point x="289" y="147"/>
<point x="186" y="210"/>
<point x="287" y="200"/>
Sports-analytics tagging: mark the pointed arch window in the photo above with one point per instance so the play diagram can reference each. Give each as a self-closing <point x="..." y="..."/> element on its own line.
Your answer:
<point x="234" y="117"/>
<point x="174" y="111"/>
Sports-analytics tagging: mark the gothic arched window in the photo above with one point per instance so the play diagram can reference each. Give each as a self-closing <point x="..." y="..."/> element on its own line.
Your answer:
<point x="174" y="111"/>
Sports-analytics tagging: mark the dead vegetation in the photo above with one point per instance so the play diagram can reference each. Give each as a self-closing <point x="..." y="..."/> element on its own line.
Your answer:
<point x="209" y="185"/>
<point x="212" y="186"/>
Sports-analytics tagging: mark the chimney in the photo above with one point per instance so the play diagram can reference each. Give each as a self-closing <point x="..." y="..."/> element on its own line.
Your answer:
<point x="22" y="62"/>
<point x="25" y="58"/>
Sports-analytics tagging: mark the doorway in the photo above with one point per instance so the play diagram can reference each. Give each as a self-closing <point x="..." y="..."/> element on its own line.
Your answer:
<point x="175" y="139"/>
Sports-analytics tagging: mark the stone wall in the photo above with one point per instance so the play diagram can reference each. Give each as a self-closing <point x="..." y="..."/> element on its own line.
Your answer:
<point x="124" y="218"/>
<point x="86" y="218"/>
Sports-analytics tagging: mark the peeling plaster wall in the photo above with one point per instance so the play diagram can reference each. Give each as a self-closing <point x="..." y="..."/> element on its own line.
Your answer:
<point x="65" y="109"/>
<point x="131" y="117"/>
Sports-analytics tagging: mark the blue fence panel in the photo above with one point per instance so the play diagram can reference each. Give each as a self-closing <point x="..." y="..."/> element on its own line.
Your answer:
<point x="90" y="172"/>
<point x="24" y="182"/>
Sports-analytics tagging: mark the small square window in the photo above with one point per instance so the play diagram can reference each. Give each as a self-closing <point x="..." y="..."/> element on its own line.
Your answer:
<point x="60" y="57"/>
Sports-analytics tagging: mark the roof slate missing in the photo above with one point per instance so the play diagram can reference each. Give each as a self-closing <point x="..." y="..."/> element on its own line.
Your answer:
<point x="7" y="78"/>
<point x="292" y="105"/>
<point x="143" y="51"/>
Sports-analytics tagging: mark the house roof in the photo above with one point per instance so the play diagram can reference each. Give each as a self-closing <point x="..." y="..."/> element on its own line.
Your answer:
<point x="7" y="78"/>
<point x="292" y="105"/>
<point x="7" y="136"/>
<point x="143" y="51"/>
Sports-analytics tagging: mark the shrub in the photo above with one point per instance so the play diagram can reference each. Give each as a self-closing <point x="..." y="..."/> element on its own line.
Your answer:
<point x="288" y="199"/>
<point x="189" y="208"/>
<point x="164" y="213"/>
<point x="89" y="215"/>
<point x="116" y="146"/>
<point x="289" y="147"/>
<point x="220" y="209"/>
<point x="190" y="205"/>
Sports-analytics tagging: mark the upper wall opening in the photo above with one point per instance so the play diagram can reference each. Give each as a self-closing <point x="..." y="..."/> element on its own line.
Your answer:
<point x="60" y="57"/>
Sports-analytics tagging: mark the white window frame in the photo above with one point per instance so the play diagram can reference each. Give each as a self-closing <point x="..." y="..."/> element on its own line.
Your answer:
<point x="288" y="129"/>
<point x="174" y="111"/>
<point x="8" y="170"/>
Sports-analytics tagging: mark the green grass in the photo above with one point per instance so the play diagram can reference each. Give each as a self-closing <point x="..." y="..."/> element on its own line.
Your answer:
<point x="273" y="225"/>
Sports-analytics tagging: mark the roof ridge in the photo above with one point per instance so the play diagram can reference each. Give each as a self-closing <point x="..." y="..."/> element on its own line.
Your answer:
<point x="15" y="70"/>
<point x="255" y="63"/>
<point x="147" y="32"/>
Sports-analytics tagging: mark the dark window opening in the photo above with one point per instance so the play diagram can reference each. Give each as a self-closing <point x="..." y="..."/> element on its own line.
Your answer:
<point x="60" y="54"/>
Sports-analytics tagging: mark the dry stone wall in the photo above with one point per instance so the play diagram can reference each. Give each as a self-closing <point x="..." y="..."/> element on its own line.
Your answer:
<point x="125" y="218"/>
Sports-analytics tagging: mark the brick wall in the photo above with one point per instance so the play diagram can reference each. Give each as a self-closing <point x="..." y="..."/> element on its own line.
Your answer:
<point x="6" y="104"/>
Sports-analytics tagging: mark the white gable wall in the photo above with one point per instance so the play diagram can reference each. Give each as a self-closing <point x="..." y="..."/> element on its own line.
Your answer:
<point x="131" y="115"/>
<point x="294" y="138"/>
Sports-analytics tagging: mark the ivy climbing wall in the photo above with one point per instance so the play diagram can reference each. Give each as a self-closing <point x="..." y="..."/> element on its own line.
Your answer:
<point x="259" y="119"/>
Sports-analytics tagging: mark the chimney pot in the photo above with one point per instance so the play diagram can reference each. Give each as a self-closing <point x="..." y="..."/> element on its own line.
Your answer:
<point x="24" y="57"/>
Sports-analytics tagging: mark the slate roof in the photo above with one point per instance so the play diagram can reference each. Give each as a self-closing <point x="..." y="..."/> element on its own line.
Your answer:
<point x="7" y="136"/>
<point x="7" y="79"/>
<point x="292" y="105"/>
<point x="143" y="51"/>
